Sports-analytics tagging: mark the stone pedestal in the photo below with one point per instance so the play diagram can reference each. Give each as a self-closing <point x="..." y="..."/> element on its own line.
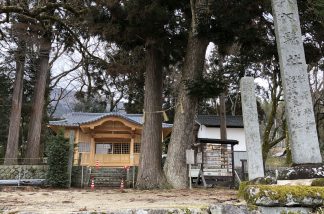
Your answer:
<point x="302" y="172"/>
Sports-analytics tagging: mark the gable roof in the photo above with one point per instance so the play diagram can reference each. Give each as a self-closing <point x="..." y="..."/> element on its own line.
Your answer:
<point x="76" y="119"/>
<point x="214" y="121"/>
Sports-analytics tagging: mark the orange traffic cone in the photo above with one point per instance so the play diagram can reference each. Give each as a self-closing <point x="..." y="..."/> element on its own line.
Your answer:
<point x="92" y="184"/>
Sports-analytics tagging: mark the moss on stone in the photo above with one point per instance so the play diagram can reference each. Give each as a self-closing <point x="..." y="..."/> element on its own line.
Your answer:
<point x="185" y="210"/>
<point x="252" y="207"/>
<point x="280" y="193"/>
<point x="258" y="181"/>
<point x="318" y="182"/>
<point x="290" y="212"/>
<point x="319" y="210"/>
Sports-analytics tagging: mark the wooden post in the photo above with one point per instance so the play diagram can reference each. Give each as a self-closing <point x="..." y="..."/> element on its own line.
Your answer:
<point x="131" y="152"/>
<point x="82" y="175"/>
<point x="76" y="141"/>
<point x="233" y="173"/>
<point x="223" y="130"/>
<point x="92" y="152"/>
<point x="190" y="185"/>
<point x="190" y="159"/>
<point x="80" y="159"/>
<point x="202" y="165"/>
<point x="71" y="153"/>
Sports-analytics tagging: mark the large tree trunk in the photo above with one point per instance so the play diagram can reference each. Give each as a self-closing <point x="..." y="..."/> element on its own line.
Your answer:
<point x="150" y="174"/>
<point x="15" y="114"/>
<point x="181" y="139"/>
<point x="35" y="124"/>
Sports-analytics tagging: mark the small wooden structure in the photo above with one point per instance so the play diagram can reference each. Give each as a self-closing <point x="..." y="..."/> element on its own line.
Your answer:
<point x="216" y="159"/>
<point x="110" y="139"/>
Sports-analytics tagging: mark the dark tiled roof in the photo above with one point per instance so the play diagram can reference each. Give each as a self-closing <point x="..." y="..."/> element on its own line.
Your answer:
<point x="79" y="118"/>
<point x="214" y="121"/>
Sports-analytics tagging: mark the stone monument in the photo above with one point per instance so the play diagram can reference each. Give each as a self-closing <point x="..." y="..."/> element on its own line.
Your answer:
<point x="251" y="128"/>
<point x="299" y="108"/>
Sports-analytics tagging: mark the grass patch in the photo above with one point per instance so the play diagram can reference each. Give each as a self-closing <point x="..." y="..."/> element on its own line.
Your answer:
<point x="276" y="162"/>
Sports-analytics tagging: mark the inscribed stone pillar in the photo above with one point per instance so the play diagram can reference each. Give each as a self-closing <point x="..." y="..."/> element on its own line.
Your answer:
<point x="299" y="108"/>
<point x="251" y="128"/>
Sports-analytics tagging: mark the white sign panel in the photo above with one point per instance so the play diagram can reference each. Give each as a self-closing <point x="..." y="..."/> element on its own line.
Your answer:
<point x="190" y="156"/>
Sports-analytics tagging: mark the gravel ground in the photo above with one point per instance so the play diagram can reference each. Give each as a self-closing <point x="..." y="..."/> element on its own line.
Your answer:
<point x="28" y="199"/>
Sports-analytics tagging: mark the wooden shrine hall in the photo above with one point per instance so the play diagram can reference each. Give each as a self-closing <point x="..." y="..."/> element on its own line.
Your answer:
<point x="110" y="139"/>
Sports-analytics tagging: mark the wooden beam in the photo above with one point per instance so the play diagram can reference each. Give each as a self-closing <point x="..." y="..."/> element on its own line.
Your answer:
<point x="103" y="135"/>
<point x="111" y="129"/>
<point x="113" y="118"/>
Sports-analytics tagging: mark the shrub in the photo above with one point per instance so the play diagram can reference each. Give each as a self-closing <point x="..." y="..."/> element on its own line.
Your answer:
<point x="58" y="157"/>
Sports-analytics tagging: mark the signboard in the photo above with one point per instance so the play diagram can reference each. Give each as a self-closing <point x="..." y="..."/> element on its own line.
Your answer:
<point x="190" y="156"/>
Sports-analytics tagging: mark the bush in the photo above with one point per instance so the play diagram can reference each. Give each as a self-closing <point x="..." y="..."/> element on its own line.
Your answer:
<point x="58" y="158"/>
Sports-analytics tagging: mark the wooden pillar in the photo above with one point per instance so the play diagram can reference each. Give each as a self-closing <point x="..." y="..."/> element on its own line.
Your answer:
<point x="92" y="152"/>
<point x="131" y="152"/>
<point x="71" y="153"/>
<point x="76" y="149"/>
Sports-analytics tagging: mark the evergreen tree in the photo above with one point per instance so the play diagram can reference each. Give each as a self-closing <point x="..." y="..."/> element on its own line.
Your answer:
<point x="58" y="157"/>
<point x="148" y="24"/>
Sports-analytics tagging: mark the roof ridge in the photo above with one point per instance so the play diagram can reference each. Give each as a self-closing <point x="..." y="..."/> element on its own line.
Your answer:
<point x="77" y="118"/>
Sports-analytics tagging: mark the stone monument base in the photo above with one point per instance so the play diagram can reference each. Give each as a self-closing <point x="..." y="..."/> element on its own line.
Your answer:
<point x="305" y="171"/>
<point x="282" y="199"/>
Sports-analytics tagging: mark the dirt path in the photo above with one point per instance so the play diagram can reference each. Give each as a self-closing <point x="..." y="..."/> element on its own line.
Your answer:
<point x="65" y="201"/>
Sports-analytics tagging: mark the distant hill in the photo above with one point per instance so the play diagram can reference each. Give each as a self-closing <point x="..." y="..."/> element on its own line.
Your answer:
<point x="66" y="104"/>
<point x="68" y="101"/>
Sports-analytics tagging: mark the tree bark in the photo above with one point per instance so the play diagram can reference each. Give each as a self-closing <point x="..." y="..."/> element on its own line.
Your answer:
<point x="150" y="174"/>
<point x="11" y="156"/>
<point x="181" y="139"/>
<point x="222" y="117"/>
<point x="35" y="124"/>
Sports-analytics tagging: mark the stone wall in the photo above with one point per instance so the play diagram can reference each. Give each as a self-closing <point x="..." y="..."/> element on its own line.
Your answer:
<point x="24" y="171"/>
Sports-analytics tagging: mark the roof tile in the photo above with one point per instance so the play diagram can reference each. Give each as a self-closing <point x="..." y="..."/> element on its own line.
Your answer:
<point x="214" y="121"/>
<point x="76" y="119"/>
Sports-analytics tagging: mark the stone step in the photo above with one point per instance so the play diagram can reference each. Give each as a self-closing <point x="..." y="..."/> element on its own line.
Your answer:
<point x="119" y="175"/>
<point x="108" y="177"/>
<point x="109" y="170"/>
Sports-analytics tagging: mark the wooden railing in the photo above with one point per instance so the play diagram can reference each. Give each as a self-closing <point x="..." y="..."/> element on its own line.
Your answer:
<point x="109" y="159"/>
